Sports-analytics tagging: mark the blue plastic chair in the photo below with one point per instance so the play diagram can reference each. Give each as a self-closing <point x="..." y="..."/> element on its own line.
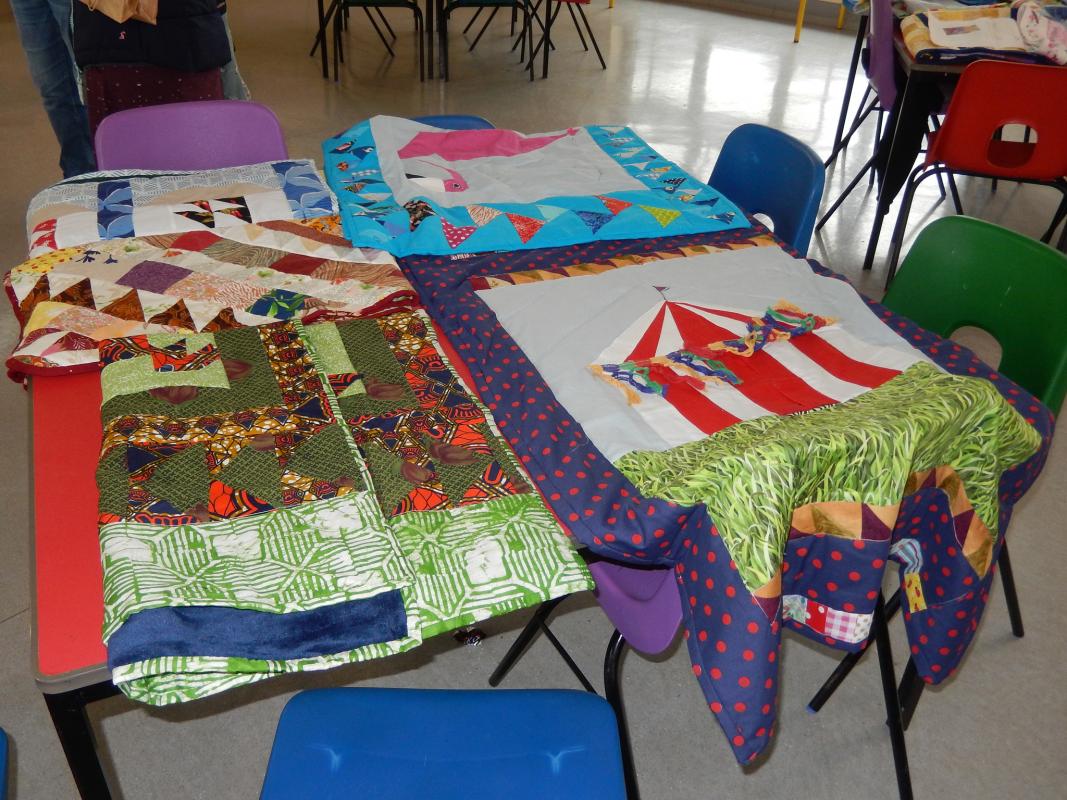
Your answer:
<point x="769" y="172"/>
<point x="393" y="744"/>
<point x="455" y="122"/>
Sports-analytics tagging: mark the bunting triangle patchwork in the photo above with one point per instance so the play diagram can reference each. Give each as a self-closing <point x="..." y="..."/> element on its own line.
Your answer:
<point x="664" y="216"/>
<point x="594" y="220"/>
<point x="613" y="204"/>
<point x="550" y="212"/>
<point x="526" y="227"/>
<point x="630" y="153"/>
<point x="456" y="235"/>
<point x="483" y="215"/>
<point x="418" y="210"/>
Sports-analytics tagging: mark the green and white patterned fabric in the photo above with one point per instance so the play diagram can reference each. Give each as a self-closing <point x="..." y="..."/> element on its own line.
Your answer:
<point x="245" y="471"/>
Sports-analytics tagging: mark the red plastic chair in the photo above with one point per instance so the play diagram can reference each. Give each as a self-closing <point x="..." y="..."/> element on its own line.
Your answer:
<point x="190" y="136"/>
<point x="990" y="95"/>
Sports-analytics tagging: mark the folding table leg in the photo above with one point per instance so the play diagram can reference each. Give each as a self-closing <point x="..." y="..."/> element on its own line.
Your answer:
<point x="537" y="621"/>
<point x="76" y="736"/>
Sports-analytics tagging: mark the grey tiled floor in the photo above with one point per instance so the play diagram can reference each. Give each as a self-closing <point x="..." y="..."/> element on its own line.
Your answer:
<point x="684" y="76"/>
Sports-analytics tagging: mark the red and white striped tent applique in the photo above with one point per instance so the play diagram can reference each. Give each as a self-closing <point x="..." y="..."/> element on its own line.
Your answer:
<point x="691" y="370"/>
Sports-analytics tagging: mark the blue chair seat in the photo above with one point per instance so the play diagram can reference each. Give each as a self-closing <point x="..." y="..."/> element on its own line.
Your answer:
<point x="389" y="744"/>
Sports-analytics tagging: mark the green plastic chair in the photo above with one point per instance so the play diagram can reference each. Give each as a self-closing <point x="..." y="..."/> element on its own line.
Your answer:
<point x="961" y="272"/>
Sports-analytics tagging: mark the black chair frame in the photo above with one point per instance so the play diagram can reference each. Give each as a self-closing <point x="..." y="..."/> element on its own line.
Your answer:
<point x="924" y="171"/>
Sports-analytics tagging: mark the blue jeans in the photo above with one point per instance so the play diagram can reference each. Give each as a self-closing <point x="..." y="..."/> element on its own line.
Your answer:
<point x="44" y="29"/>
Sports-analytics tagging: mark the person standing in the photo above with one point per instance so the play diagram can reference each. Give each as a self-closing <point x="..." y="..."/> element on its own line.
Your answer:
<point x="44" y="30"/>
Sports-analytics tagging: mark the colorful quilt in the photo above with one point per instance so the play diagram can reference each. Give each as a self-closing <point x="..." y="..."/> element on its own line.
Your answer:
<point x="411" y="188"/>
<point x="287" y="498"/>
<point x="69" y="300"/>
<point x="124" y="204"/>
<point x="920" y="466"/>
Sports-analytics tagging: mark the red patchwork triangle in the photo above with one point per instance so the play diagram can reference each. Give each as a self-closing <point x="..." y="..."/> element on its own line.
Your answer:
<point x="456" y="235"/>
<point x="526" y="227"/>
<point x="614" y="205"/>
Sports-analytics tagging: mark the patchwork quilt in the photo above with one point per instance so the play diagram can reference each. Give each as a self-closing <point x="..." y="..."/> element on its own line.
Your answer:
<point x="411" y="188"/>
<point x="124" y="204"/>
<point x="69" y="300"/>
<point x="292" y="497"/>
<point x="753" y="424"/>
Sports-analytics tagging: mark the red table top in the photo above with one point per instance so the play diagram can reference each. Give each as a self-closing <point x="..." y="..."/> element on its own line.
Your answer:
<point x="70" y="592"/>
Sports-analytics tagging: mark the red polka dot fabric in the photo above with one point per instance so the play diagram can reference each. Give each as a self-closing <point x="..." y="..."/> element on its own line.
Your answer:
<point x="831" y="583"/>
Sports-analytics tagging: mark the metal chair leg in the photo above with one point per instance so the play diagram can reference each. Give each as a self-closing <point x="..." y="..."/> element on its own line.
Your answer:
<point x="378" y="31"/>
<point x="866" y="106"/>
<point x="869" y="166"/>
<point x="857" y="48"/>
<point x="1007" y="579"/>
<point x="577" y="27"/>
<point x="419" y="26"/>
<point x="613" y="693"/>
<point x="955" y="193"/>
<point x="846" y="664"/>
<point x="474" y="18"/>
<point x="897" y="240"/>
<point x="1057" y="218"/>
<point x="892" y="701"/>
<point x="592" y="38"/>
<point x="910" y="690"/>
<point x="385" y="22"/>
<point x="485" y="27"/>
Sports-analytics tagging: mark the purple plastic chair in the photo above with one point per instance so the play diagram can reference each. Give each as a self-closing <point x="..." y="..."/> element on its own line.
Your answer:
<point x="205" y="134"/>
<point x="646" y="610"/>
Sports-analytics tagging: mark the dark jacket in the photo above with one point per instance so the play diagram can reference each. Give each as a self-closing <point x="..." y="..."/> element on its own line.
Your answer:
<point x="189" y="36"/>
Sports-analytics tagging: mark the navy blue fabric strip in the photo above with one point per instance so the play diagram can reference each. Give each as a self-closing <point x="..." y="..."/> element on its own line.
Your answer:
<point x="238" y="633"/>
